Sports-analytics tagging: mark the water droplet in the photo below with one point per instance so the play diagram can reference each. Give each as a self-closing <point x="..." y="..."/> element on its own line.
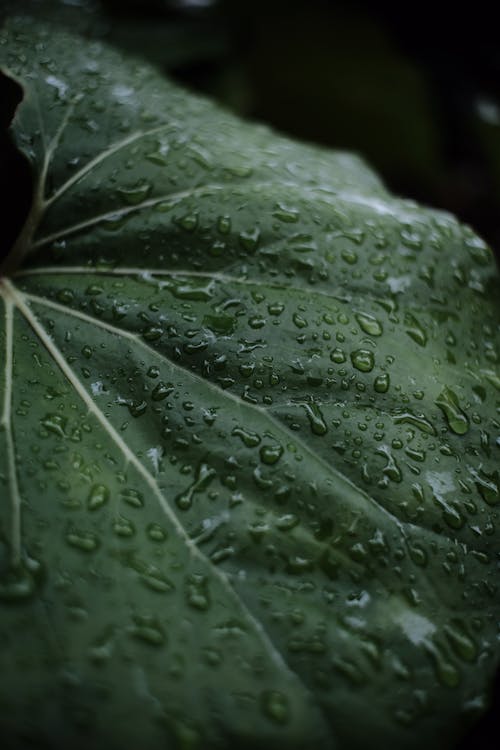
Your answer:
<point x="99" y="495"/>
<point x="197" y="592"/>
<point x="224" y="224"/>
<point x="363" y="360"/>
<point x="19" y="582"/>
<point x="132" y="497"/>
<point x="156" y="533"/>
<point x="161" y="391"/>
<point x="316" y="420"/>
<point x="134" y="195"/>
<point x="82" y="540"/>
<point x="488" y="486"/>
<point x="204" y="476"/>
<point x="391" y="469"/>
<point x="55" y="423"/>
<point x="449" y="405"/>
<point x="415" y="330"/>
<point x="152" y="333"/>
<point x="148" y="630"/>
<point x="271" y="454"/>
<point x="446" y="672"/>
<point x="461" y="643"/>
<point x="285" y="214"/>
<point x="417" y="420"/>
<point x="299" y="321"/>
<point x="250" y="439"/>
<point x="275" y="706"/>
<point x="123" y="527"/>
<point x="338" y="356"/>
<point x="250" y="239"/>
<point x="381" y="383"/>
<point x="287" y="522"/>
<point x="197" y="290"/>
<point x="369" y="324"/>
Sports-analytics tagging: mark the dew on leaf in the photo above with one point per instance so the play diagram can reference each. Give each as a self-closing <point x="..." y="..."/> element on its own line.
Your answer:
<point x="271" y="454"/>
<point x="316" y="420"/>
<point x="369" y="324"/>
<point x="132" y="497"/>
<point x="19" y="582"/>
<point x="161" y="391"/>
<point x="414" y="330"/>
<point x="249" y="438"/>
<point x="156" y="533"/>
<point x="456" y="418"/>
<point x="98" y="496"/>
<point x="197" y="593"/>
<point x="134" y="195"/>
<point x="381" y="383"/>
<point x="147" y="630"/>
<point x="275" y="706"/>
<point x="85" y="541"/>
<point x="55" y="423"/>
<point x="363" y="360"/>
<point x="204" y="475"/>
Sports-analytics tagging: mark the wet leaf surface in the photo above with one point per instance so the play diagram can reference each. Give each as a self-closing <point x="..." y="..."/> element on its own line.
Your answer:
<point x="249" y="435"/>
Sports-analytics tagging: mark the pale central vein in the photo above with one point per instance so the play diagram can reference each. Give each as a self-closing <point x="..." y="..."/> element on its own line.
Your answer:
<point x="21" y="302"/>
<point x="6" y="424"/>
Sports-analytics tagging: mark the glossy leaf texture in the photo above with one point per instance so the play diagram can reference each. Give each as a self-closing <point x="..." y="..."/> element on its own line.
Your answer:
<point x="249" y="433"/>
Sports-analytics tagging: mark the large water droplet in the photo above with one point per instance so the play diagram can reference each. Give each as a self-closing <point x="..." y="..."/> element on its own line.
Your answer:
<point x="449" y="405"/>
<point x="363" y="360"/>
<point x="369" y="324"/>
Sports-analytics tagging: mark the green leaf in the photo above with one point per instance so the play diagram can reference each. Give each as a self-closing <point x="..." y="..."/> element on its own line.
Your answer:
<point x="249" y="433"/>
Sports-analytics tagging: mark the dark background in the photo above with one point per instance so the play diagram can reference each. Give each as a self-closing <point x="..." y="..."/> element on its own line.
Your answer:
<point x="413" y="90"/>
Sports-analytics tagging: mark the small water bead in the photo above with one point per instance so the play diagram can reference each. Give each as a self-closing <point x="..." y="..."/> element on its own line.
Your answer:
<point x="197" y="593"/>
<point x="381" y="383"/>
<point x="20" y="582"/>
<point x="161" y="391"/>
<point x="275" y="706"/>
<point x="148" y="630"/>
<point x="156" y="533"/>
<point x="85" y="541"/>
<point x="338" y="356"/>
<point x="135" y="195"/>
<point x="98" y="496"/>
<point x="249" y="239"/>
<point x="271" y="454"/>
<point x="124" y="528"/>
<point x="132" y="497"/>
